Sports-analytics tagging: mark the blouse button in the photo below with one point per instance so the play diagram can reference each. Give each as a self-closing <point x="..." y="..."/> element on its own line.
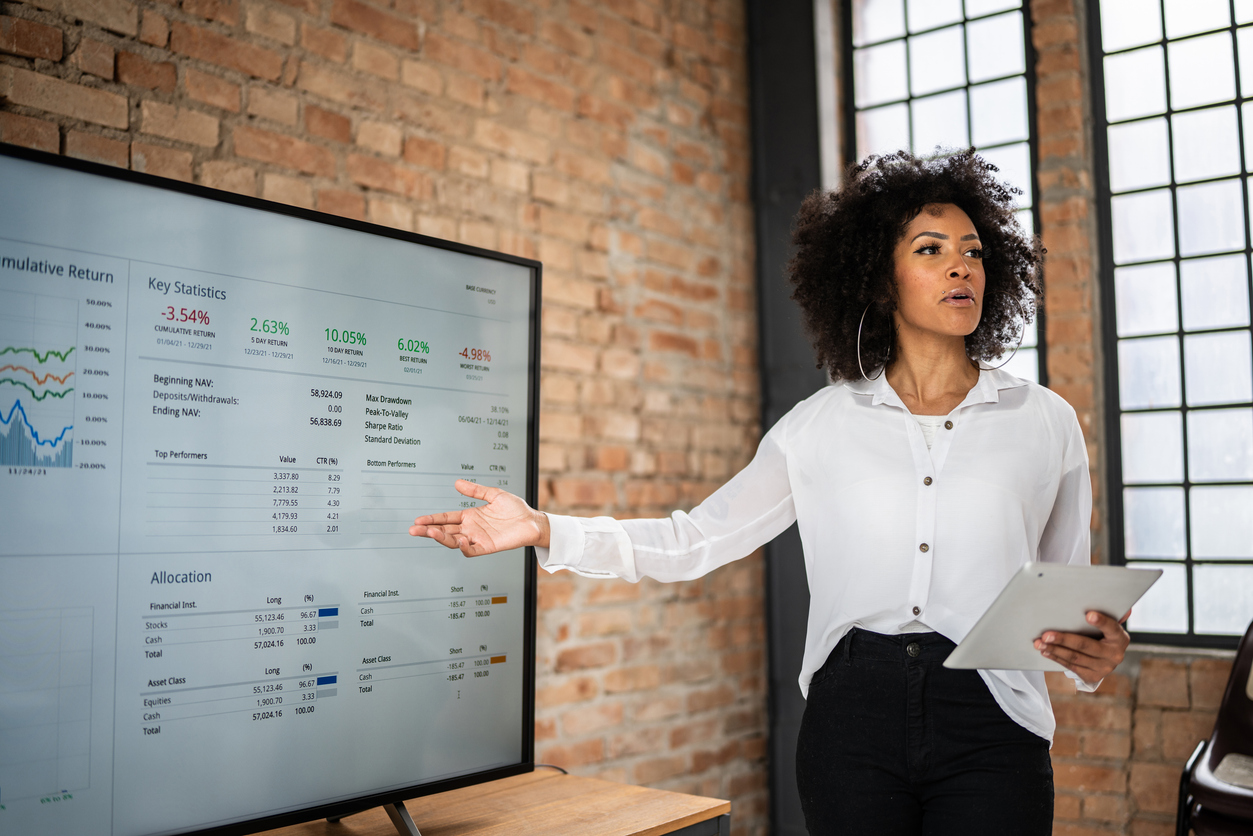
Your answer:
<point x="923" y="547"/>
<point x="948" y="425"/>
<point x="927" y="481"/>
<point x="917" y="611"/>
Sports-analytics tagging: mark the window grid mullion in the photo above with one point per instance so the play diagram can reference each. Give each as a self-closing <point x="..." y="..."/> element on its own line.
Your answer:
<point x="1183" y="379"/>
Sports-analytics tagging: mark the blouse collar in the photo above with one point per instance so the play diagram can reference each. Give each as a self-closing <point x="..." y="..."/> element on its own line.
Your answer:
<point x="986" y="390"/>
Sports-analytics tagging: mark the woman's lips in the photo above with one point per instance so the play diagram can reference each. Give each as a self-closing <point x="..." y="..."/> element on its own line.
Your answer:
<point x="959" y="301"/>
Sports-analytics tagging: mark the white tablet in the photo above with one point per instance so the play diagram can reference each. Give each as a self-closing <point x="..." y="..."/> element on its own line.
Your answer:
<point x="1046" y="596"/>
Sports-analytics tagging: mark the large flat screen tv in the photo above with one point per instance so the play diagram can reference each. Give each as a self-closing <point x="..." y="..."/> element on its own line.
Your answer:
<point x="218" y="417"/>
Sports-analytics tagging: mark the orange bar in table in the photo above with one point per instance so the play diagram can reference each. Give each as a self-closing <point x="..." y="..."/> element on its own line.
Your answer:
<point x="500" y="599"/>
<point x="496" y="659"/>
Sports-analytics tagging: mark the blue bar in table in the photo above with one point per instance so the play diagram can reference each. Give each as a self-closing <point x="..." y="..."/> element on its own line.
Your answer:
<point x="328" y="680"/>
<point x="328" y="611"/>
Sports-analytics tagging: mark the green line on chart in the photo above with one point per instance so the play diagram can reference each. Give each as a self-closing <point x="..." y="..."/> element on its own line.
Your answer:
<point x="61" y="355"/>
<point x="33" y="393"/>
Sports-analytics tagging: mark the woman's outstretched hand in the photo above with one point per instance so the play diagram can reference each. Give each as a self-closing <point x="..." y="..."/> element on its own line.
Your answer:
<point x="505" y="522"/>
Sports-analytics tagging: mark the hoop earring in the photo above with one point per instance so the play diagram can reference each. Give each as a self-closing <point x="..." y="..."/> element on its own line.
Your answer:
<point x="1022" y="333"/>
<point x="859" y="365"/>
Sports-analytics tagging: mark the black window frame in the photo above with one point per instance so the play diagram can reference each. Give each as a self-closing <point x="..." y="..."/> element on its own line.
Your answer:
<point x="1108" y="315"/>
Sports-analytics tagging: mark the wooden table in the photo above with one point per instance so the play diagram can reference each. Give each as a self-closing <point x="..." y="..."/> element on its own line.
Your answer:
<point x="543" y="803"/>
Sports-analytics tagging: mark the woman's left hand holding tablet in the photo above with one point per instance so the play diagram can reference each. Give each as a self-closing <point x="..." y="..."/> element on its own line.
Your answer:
<point x="505" y="522"/>
<point x="1092" y="658"/>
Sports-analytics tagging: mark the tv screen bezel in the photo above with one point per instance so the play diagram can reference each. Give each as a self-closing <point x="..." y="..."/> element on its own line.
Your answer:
<point x="357" y="804"/>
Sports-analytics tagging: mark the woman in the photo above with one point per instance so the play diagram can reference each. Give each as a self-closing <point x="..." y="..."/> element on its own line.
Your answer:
<point x="921" y="481"/>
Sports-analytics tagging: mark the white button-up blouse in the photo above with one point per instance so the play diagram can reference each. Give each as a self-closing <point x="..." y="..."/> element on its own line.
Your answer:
<point x="894" y="533"/>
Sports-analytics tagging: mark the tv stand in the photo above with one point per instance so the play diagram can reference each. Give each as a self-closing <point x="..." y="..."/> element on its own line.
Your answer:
<point x="401" y="818"/>
<point x="396" y="812"/>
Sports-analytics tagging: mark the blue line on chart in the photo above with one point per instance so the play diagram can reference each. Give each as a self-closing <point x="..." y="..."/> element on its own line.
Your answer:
<point x="17" y="407"/>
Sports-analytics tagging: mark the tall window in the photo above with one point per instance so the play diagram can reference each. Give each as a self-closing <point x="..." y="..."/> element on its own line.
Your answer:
<point x="923" y="74"/>
<point x="1173" y="101"/>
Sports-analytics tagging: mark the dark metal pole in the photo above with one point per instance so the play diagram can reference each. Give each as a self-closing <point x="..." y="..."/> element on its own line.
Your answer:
<point x="786" y="167"/>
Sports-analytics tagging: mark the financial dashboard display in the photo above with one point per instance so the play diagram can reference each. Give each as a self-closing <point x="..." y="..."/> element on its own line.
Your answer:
<point x="217" y="422"/>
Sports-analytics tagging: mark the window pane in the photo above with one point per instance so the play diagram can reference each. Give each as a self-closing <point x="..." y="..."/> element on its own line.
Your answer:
<point x="1220" y="445"/>
<point x="1244" y="11"/>
<point x="1224" y="598"/>
<point x="1126" y="23"/>
<point x="1142" y="227"/>
<point x="995" y="47"/>
<point x="1152" y="447"/>
<point x="1164" y="608"/>
<point x="1222" y="523"/>
<point x="1025" y="364"/>
<point x="1026" y="220"/>
<point x="1139" y="155"/>
<point x="1218" y="368"/>
<point x="879" y="74"/>
<point x="883" y="130"/>
<point x="1246" y="113"/>
<point x="1244" y="42"/>
<point x="1201" y="71"/>
<point x="1206" y="144"/>
<point x="877" y="20"/>
<point x="1153" y="522"/>
<point x="1135" y="84"/>
<point x="1148" y="373"/>
<point x="928" y="14"/>
<point x="940" y="120"/>
<point x="1014" y="162"/>
<point x="975" y="8"/>
<point x="999" y="111"/>
<point x="1144" y="299"/>
<point x="1029" y="335"/>
<point x="1188" y="17"/>
<point x="1211" y="218"/>
<point x="1215" y="292"/>
<point x="937" y="61"/>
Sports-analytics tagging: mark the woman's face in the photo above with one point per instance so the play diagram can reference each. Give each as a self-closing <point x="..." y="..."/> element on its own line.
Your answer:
<point x="939" y="272"/>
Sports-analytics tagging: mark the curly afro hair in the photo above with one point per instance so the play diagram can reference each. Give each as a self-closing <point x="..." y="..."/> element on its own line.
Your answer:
<point x="844" y="262"/>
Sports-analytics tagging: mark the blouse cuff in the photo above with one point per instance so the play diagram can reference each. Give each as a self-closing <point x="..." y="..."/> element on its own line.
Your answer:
<point x="1081" y="685"/>
<point x="568" y="547"/>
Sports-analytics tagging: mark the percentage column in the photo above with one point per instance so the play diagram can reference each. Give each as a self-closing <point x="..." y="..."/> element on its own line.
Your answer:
<point x="270" y="326"/>
<point x="185" y="315"/>
<point x="413" y="346"/>
<point x="335" y="335"/>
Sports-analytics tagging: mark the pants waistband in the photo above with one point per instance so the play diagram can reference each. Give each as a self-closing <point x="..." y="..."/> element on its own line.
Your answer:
<point x="859" y="644"/>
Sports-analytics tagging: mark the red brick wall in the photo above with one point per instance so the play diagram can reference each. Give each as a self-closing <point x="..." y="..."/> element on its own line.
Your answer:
<point x="608" y="139"/>
<point x="1118" y="754"/>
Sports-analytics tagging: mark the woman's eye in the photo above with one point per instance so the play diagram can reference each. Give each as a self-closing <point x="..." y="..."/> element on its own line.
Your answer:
<point x="975" y="253"/>
<point x="928" y="249"/>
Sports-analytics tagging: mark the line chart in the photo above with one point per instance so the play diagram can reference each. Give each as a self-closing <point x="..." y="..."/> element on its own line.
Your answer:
<point x="16" y="444"/>
<point x="36" y="377"/>
<point x="38" y="369"/>
<point x="35" y="393"/>
<point x="60" y="355"/>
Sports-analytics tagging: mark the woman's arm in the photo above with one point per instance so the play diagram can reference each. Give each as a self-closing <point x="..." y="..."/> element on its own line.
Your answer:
<point x="749" y="510"/>
<point x="1067" y="538"/>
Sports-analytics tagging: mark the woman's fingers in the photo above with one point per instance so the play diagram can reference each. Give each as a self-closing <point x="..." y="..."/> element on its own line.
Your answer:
<point x="445" y="518"/>
<point x="476" y="491"/>
<point x="1093" y="659"/>
<point x="502" y="522"/>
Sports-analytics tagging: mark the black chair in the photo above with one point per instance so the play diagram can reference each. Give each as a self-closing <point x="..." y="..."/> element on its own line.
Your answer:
<point x="1216" y="788"/>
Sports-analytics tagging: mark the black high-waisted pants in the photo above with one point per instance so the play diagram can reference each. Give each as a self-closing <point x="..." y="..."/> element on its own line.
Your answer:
<point x="892" y="743"/>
